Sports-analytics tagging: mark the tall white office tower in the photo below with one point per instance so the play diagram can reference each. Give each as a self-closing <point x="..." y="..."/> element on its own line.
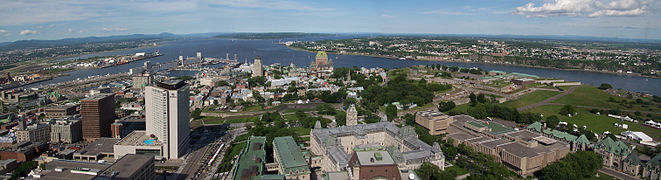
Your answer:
<point x="168" y="117"/>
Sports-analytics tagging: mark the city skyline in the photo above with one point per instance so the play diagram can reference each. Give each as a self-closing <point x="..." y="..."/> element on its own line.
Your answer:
<point x="73" y="18"/>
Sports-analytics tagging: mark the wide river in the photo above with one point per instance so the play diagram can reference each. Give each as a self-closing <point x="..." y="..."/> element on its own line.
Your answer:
<point x="274" y="53"/>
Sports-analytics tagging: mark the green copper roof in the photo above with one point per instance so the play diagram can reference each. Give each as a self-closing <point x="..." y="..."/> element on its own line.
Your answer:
<point x="582" y="140"/>
<point x="563" y="135"/>
<point x="290" y="158"/>
<point x="251" y="159"/>
<point x="321" y="54"/>
<point x="655" y="161"/>
<point x="494" y="127"/>
<point x="536" y="125"/>
<point x="614" y="147"/>
<point x="632" y="159"/>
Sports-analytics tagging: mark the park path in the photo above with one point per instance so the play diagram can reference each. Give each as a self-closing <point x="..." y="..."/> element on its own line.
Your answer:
<point x="546" y="101"/>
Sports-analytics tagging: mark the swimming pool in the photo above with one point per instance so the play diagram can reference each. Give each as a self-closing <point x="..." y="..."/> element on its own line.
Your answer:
<point x="150" y="141"/>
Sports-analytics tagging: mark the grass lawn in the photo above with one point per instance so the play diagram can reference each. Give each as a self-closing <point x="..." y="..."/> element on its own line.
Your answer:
<point x="461" y="108"/>
<point x="540" y="85"/>
<point x="596" y="123"/>
<point x="294" y="110"/>
<point x="589" y="96"/>
<point x="498" y="83"/>
<point x="290" y="118"/>
<point x="531" y="98"/>
<point x="426" y="106"/>
<point x="253" y="108"/>
<point x="300" y="131"/>
<point x="460" y="171"/>
<point x="592" y="96"/>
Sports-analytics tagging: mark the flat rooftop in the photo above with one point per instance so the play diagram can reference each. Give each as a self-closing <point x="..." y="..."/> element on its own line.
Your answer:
<point x="494" y="127"/>
<point x="479" y="139"/>
<point x="461" y="136"/>
<point x="67" y="165"/>
<point x="495" y="143"/>
<point x="128" y="165"/>
<point x="170" y="84"/>
<point x="520" y="150"/>
<point x="97" y="97"/>
<point x="523" y="134"/>
<point x="138" y="138"/>
<point x="99" y="146"/>
<point x="251" y="160"/>
<point x="432" y="115"/>
<point x="290" y="154"/>
<point x="371" y="158"/>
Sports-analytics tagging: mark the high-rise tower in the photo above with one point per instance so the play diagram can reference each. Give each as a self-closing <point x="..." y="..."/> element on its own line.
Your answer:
<point x="352" y="116"/>
<point x="167" y="116"/>
<point x="257" y="67"/>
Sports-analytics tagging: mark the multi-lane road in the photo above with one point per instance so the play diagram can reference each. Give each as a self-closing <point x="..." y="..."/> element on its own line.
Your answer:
<point x="196" y="164"/>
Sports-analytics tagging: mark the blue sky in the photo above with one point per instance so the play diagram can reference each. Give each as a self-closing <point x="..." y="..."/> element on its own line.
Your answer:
<point x="30" y="19"/>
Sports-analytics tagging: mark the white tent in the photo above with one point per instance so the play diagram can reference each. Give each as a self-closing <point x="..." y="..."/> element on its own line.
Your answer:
<point x="637" y="135"/>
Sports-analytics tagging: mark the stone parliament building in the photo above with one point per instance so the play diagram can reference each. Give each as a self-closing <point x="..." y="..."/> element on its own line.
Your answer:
<point x="333" y="148"/>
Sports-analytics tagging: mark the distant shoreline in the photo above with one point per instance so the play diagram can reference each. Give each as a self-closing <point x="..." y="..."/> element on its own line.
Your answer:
<point x="519" y="65"/>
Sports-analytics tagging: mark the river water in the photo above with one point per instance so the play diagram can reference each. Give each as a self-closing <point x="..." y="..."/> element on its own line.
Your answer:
<point x="270" y="52"/>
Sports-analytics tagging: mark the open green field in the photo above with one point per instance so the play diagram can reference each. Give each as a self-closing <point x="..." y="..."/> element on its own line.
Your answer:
<point x="596" y="123"/>
<point x="531" y="98"/>
<point x="498" y="83"/>
<point x="540" y="85"/>
<point x="592" y="96"/>
<point x="461" y="108"/>
<point x="300" y="131"/>
<point x="589" y="96"/>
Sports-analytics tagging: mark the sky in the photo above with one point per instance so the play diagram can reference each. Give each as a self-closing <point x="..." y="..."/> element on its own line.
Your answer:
<point x="48" y="19"/>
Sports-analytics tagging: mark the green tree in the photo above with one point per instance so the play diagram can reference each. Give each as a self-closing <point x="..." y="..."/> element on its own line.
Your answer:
<point x="579" y="165"/>
<point x="222" y="83"/>
<point x="446" y="106"/>
<point x="567" y="109"/>
<point x="552" y="121"/>
<point x="481" y="98"/>
<point x="430" y="171"/>
<point x="473" y="99"/>
<point x="341" y="118"/>
<point x="196" y="113"/>
<point x="391" y="111"/>
<point x="605" y="86"/>
<point x="256" y="81"/>
<point x="326" y="109"/>
<point x="23" y="169"/>
<point x="257" y="97"/>
<point x="529" y="117"/>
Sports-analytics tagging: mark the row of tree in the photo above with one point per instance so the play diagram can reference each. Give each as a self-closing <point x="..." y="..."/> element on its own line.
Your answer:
<point x="579" y="165"/>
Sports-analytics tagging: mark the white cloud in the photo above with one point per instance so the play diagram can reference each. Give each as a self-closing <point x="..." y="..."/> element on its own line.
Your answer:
<point x="3" y="32"/>
<point x="388" y="16"/>
<point x="28" y="32"/>
<point x="590" y="8"/>
<point x="69" y="30"/>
